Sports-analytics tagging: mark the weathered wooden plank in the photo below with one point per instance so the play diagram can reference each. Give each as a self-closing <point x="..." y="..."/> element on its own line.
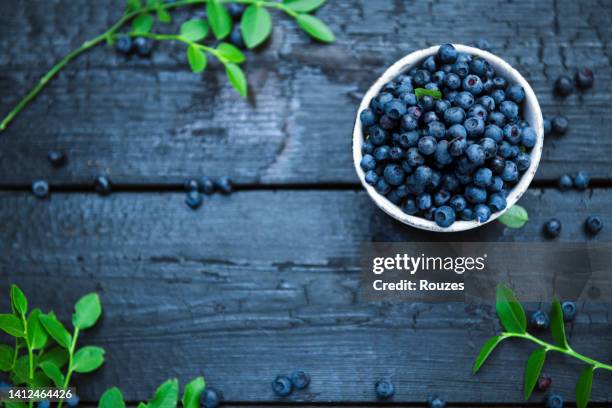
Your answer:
<point x="150" y="121"/>
<point x="261" y="283"/>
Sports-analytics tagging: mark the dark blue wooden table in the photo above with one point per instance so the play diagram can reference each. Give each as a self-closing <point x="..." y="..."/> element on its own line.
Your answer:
<point x="265" y="280"/>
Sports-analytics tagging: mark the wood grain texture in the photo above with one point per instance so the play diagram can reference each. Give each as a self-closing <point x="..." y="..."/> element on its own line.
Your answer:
<point x="261" y="283"/>
<point x="152" y="122"/>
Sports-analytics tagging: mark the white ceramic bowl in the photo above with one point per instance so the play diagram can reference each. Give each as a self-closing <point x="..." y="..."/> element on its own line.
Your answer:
<point x="531" y="113"/>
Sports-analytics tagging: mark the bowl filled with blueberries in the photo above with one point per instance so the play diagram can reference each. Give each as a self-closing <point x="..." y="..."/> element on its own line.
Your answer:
<point x="448" y="138"/>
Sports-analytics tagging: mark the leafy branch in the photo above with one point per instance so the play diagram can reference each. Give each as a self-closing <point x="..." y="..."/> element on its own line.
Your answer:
<point x="166" y="396"/>
<point x="512" y="317"/>
<point x="255" y="27"/>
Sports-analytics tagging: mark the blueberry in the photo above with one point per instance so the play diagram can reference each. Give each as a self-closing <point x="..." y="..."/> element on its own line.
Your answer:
<point x="423" y="175"/>
<point x="489" y="146"/>
<point x="415" y="112"/>
<point x="458" y="203"/>
<point x="482" y="213"/>
<point x="464" y="100"/>
<point x="282" y="386"/>
<point x="436" y="402"/>
<point x="371" y="177"/>
<point x="102" y="185"/>
<point x="447" y="54"/>
<point x="454" y="115"/>
<point x="497" y="118"/>
<point x="394" y="175"/>
<point x="390" y="88"/>
<point x="420" y="78"/>
<point x="505" y="150"/>
<point x="449" y="182"/>
<point x="426" y="103"/>
<point x="429" y="117"/>
<point x="442" y="155"/>
<point x="427" y="145"/>
<point x="547" y="126"/>
<point x="429" y="64"/>
<point x="563" y="85"/>
<point x="475" y="195"/>
<point x="367" y="117"/>
<point x="395" y="109"/>
<point x="235" y="10"/>
<point x="473" y="84"/>
<point x="497" y="164"/>
<point x="409" y="98"/>
<point x="235" y="36"/>
<point x="386" y="122"/>
<point x="457" y="146"/>
<point x="467" y="214"/>
<point x="407" y="167"/>
<point x="450" y="95"/>
<point x="384" y="389"/>
<point x="408" y="122"/>
<point x="483" y="177"/>
<point x="456" y="131"/>
<point x="509" y="109"/>
<point x="488" y="87"/>
<point x="479" y="66"/>
<point x="554" y="401"/>
<point x="523" y="161"/>
<point x="382" y="187"/>
<point x="144" y="46"/>
<point x="512" y="133"/>
<point x="367" y="162"/>
<point x="483" y="44"/>
<point x="544" y="382"/>
<point x="382" y="153"/>
<point x="410" y="207"/>
<point x="478" y="111"/>
<point x="44" y="404"/>
<point x="593" y="225"/>
<point x="402" y="191"/>
<point x="476" y="154"/>
<point x="539" y="320"/>
<point x="57" y="158"/>
<point x="438" y="77"/>
<point x="584" y="78"/>
<point x="409" y="139"/>
<point x="194" y="199"/>
<point x="211" y="398"/>
<point x="396" y="153"/>
<point x="500" y="82"/>
<point x="552" y="228"/>
<point x="460" y="68"/>
<point x="40" y="188"/>
<point x="498" y="96"/>
<point x="414" y="158"/>
<point x="497" y="185"/>
<point x="378" y="135"/>
<point x="444" y="216"/>
<point x="474" y="126"/>
<point x="424" y="201"/>
<point x="300" y="380"/>
<point x="510" y="173"/>
<point x="192" y="184"/>
<point x="582" y="180"/>
<point x="435" y="129"/>
<point x="569" y="310"/>
<point x="124" y="45"/>
<point x="528" y="137"/>
<point x="441" y="197"/>
<point x="73" y="401"/>
<point x="515" y="93"/>
<point x="378" y="103"/>
<point x="487" y="102"/>
<point x="452" y="81"/>
<point x="565" y="182"/>
<point x="559" y="124"/>
<point x="493" y="132"/>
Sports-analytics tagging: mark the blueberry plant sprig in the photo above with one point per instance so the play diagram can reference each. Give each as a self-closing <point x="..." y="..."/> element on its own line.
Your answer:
<point x="512" y="317"/>
<point x="255" y="27"/>
<point x="515" y="217"/>
<point x="49" y="346"/>
<point x="166" y="396"/>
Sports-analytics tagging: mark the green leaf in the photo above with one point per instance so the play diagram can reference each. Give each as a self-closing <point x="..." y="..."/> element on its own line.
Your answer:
<point x="56" y="330"/>
<point x="37" y="336"/>
<point x="22" y="370"/>
<point x="532" y="371"/>
<point x="485" y="351"/>
<point x="20" y="303"/>
<point x="87" y="311"/>
<point x="163" y="16"/>
<point x="15" y="404"/>
<point x="583" y="387"/>
<point x="133" y="5"/>
<point x="194" y="30"/>
<point x="514" y="217"/>
<point x="303" y="6"/>
<point x="556" y="325"/>
<point x="6" y="357"/>
<point x="509" y="310"/>
<point x="142" y="405"/>
<point x="142" y="24"/>
<point x="196" y="58"/>
<point x="112" y="398"/>
<point x="39" y="380"/>
<point x="11" y="324"/>
<point x="53" y="372"/>
<point x="219" y="18"/>
<point x="421" y="92"/>
<point x="255" y="25"/>
<point x="316" y="28"/>
<point x="166" y="395"/>
<point x="88" y="359"/>
<point x="57" y="355"/>
<point x="237" y="78"/>
<point x="230" y="53"/>
<point x="192" y="393"/>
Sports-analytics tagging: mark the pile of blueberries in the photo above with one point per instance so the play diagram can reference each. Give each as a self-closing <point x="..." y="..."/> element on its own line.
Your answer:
<point x="453" y="153"/>
<point x="284" y="385"/>
<point x="206" y="186"/>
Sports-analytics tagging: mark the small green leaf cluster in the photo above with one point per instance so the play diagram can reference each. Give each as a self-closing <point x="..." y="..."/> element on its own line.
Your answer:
<point x="513" y="319"/>
<point x="166" y="396"/>
<point x="515" y="217"/>
<point x="45" y="353"/>
<point x="421" y="92"/>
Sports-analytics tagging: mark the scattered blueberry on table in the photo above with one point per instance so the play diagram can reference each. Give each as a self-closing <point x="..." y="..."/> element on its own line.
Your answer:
<point x="584" y="78"/>
<point x="192" y="184"/>
<point x="544" y="382"/>
<point x="143" y="46"/>
<point x="124" y="45"/>
<point x="554" y="401"/>
<point x="552" y="228"/>
<point x="57" y="158"/>
<point x="469" y="147"/>
<point x="559" y="125"/>
<point x="194" y="199"/>
<point x="565" y="182"/>
<point x="593" y="224"/>
<point x="225" y="185"/>
<point x="211" y="398"/>
<point x="539" y="320"/>
<point x="102" y="185"/>
<point x="40" y="188"/>
<point x="436" y="402"/>
<point x="73" y="402"/>
<point x="564" y="85"/>
<point x="547" y="126"/>
<point x="300" y="379"/>
<point x="207" y="186"/>
<point x="384" y="389"/>
<point x="569" y="310"/>
<point x="582" y="180"/>
<point x="282" y="386"/>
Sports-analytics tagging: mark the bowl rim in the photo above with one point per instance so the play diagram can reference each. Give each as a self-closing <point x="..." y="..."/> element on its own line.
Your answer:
<point x="404" y="64"/>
